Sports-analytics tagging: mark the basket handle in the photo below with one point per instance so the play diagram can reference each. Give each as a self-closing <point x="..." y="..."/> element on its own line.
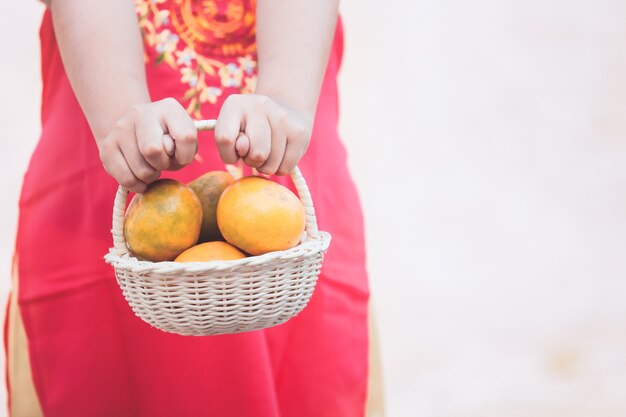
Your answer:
<point x="119" y="205"/>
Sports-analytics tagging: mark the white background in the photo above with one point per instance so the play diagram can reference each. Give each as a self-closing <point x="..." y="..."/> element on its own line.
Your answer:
<point x="488" y="142"/>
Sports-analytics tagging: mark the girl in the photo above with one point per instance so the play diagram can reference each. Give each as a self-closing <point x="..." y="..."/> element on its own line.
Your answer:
<point x="122" y="83"/>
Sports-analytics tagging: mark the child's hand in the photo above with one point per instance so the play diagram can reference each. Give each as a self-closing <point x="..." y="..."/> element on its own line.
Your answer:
<point x="151" y="138"/>
<point x="268" y="136"/>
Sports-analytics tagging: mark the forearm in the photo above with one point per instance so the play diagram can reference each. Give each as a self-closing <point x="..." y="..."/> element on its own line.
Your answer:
<point x="101" y="49"/>
<point x="293" y="40"/>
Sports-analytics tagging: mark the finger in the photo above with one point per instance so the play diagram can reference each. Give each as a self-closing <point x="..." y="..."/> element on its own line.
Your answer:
<point x="116" y="166"/>
<point x="297" y="142"/>
<point x="168" y="145"/>
<point x="180" y="127"/>
<point x="242" y="146"/>
<point x="149" y="134"/>
<point x="227" y="128"/>
<point x="259" y="132"/>
<point x="141" y="169"/>
<point x="277" y="152"/>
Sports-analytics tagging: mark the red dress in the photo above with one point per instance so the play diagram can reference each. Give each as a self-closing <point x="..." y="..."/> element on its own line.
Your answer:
<point x="90" y="355"/>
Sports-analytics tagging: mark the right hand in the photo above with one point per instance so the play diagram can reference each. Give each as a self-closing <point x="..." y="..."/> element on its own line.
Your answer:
<point x="150" y="138"/>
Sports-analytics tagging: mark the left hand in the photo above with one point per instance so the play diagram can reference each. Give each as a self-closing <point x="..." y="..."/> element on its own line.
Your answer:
<point x="266" y="134"/>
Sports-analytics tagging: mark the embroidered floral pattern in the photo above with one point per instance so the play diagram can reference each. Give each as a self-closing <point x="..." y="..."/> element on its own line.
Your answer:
<point x="211" y="43"/>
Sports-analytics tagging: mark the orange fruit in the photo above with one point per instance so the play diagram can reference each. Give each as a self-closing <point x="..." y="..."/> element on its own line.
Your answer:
<point x="210" y="251"/>
<point x="259" y="216"/>
<point x="163" y="221"/>
<point x="209" y="188"/>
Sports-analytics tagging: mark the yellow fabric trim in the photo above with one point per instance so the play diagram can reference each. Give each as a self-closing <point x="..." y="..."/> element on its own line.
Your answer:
<point x="375" y="394"/>
<point x="24" y="400"/>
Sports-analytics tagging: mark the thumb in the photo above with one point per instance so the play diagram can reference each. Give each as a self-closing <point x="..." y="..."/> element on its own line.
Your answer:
<point x="169" y="145"/>
<point x="242" y="145"/>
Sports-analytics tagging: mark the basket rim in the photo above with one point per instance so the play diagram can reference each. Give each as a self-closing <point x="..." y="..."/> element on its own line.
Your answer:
<point x="125" y="261"/>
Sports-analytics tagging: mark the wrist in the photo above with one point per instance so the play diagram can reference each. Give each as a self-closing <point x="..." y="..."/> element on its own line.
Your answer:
<point x="303" y="104"/>
<point x="105" y="111"/>
<point x="104" y="119"/>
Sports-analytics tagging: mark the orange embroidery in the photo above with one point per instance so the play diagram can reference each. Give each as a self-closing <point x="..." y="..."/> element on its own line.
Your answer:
<point x="216" y="28"/>
<point x="211" y="43"/>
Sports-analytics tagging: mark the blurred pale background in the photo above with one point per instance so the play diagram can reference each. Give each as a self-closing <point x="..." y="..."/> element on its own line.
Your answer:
<point x="488" y="140"/>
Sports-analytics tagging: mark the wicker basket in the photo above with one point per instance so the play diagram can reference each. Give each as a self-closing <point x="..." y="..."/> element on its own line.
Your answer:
<point x="222" y="297"/>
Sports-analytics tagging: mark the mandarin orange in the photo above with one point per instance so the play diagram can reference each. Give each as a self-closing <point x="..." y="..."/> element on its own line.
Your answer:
<point x="163" y="221"/>
<point x="210" y="251"/>
<point x="259" y="216"/>
<point x="209" y="188"/>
